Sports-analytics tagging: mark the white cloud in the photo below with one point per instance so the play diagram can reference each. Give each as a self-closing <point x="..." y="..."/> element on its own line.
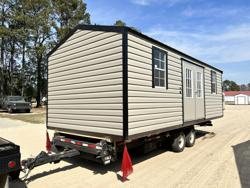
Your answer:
<point x="225" y="45"/>
<point x="149" y="2"/>
<point x="142" y="2"/>
<point x="214" y="11"/>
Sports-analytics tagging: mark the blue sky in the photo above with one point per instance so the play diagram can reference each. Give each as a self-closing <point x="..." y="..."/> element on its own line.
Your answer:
<point x="214" y="31"/>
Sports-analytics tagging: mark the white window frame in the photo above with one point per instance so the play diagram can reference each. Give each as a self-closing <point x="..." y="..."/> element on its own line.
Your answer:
<point x="201" y="85"/>
<point x="213" y="81"/>
<point x="160" y="69"/>
<point x="190" y="79"/>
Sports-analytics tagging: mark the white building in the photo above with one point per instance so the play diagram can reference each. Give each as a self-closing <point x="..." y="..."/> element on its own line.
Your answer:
<point x="237" y="97"/>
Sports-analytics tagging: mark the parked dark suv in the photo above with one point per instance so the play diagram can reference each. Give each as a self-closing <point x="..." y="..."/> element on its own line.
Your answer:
<point x="16" y="103"/>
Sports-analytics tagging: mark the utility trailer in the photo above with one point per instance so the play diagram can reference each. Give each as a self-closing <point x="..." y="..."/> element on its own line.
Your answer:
<point x="109" y="86"/>
<point x="9" y="161"/>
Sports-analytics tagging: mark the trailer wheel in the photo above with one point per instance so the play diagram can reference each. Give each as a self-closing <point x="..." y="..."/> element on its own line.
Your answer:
<point x="178" y="142"/>
<point x="190" y="138"/>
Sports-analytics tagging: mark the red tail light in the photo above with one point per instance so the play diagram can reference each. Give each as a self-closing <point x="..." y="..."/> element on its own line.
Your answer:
<point x="67" y="140"/>
<point x="92" y="146"/>
<point x="12" y="164"/>
<point x="79" y="143"/>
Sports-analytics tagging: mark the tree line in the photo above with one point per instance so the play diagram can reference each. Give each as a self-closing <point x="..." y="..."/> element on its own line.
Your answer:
<point x="229" y="85"/>
<point x="29" y="30"/>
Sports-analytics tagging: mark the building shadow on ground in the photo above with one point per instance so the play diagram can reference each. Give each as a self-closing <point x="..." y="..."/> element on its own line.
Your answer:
<point x="242" y="159"/>
<point x="137" y="157"/>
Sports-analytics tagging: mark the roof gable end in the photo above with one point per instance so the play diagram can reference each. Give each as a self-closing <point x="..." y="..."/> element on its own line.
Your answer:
<point x="122" y="29"/>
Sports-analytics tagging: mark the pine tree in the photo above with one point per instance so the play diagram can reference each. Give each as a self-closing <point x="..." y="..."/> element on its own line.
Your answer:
<point x="67" y="14"/>
<point x="29" y="30"/>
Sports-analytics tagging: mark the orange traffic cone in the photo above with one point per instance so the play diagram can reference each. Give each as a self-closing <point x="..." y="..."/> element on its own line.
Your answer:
<point x="48" y="143"/>
<point x="127" y="167"/>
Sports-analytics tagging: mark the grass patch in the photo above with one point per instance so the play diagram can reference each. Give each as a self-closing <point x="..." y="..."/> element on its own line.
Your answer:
<point x="30" y="118"/>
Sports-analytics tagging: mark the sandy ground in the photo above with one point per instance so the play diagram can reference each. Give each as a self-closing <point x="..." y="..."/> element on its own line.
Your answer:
<point x="220" y="158"/>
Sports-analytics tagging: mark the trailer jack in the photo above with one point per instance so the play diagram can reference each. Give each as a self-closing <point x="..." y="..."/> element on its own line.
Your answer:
<point x="44" y="158"/>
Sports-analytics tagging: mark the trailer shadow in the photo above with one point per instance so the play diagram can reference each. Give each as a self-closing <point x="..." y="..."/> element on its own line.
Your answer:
<point x="24" y="183"/>
<point x="17" y="184"/>
<point x="204" y="134"/>
<point x="46" y="173"/>
<point x="242" y="159"/>
<point x="137" y="157"/>
<point x="97" y="168"/>
<point x="114" y="167"/>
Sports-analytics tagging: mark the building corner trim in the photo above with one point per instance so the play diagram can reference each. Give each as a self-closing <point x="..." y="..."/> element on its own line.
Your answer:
<point x="125" y="82"/>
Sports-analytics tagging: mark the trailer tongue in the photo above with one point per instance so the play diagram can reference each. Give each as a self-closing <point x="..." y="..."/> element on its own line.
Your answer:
<point x="10" y="160"/>
<point x="44" y="158"/>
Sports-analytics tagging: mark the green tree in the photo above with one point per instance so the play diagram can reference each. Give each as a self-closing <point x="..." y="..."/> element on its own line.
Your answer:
<point x="9" y="34"/>
<point x="23" y="20"/>
<point x="40" y="37"/>
<point x="67" y="14"/>
<point x="229" y="85"/>
<point x="243" y="87"/>
<point x="248" y="86"/>
<point x="29" y="29"/>
<point x="120" y="23"/>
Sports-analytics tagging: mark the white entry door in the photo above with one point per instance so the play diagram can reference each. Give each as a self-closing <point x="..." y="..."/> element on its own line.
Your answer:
<point x="193" y="92"/>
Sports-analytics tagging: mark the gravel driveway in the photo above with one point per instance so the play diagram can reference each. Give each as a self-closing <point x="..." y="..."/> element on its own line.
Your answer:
<point x="220" y="158"/>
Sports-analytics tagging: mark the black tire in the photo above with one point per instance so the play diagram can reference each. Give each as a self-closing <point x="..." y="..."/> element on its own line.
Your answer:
<point x="178" y="142"/>
<point x="9" y="109"/>
<point x="190" y="138"/>
<point x="14" y="175"/>
<point x="27" y="111"/>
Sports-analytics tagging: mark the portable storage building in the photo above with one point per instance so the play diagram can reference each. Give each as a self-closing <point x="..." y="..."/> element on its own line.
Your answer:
<point x="237" y="97"/>
<point x="118" y="83"/>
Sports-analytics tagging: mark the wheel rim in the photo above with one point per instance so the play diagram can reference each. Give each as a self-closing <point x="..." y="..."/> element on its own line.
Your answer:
<point x="181" y="142"/>
<point x="191" y="138"/>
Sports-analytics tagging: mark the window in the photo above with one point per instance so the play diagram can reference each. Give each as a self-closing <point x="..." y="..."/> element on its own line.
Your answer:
<point x="199" y="84"/>
<point x="189" y="92"/>
<point x="159" y="68"/>
<point x="213" y="82"/>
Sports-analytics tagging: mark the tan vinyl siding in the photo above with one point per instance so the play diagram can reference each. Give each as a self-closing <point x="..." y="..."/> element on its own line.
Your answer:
<point x="213" y="101"/>
<point x="151" y="108"/>
<point x="85" y="83"/>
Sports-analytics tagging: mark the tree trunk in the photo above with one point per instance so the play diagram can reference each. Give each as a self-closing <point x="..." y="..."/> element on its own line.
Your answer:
<point x="22" y="73"/>
<point x="2" y="57"/>
<point x="12" y="54"/>
<point x="1" y="70"/>
<point x="39" y="78"/>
